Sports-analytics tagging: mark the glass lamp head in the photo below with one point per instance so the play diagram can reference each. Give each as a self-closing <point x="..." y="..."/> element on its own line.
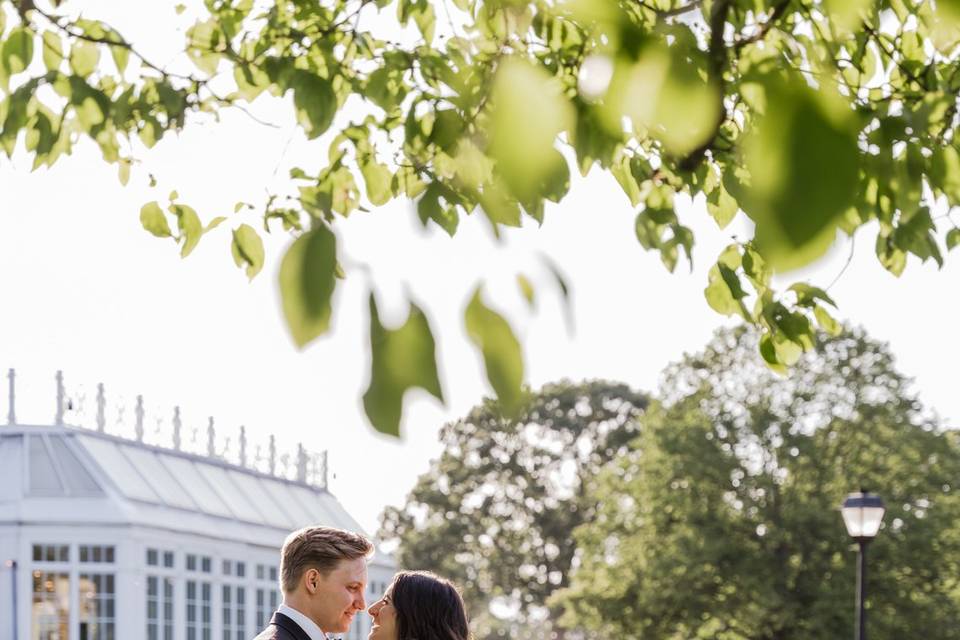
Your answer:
<point x="862" y="514"/>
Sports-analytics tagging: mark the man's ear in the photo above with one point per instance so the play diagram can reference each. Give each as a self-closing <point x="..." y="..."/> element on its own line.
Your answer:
<point x="311" y="580"/>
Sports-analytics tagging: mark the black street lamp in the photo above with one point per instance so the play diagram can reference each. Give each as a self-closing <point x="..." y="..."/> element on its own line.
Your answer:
<point x="862" y="513"/>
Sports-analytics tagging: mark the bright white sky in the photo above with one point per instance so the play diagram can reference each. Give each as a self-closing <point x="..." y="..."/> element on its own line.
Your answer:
<point x="86" y="290"/>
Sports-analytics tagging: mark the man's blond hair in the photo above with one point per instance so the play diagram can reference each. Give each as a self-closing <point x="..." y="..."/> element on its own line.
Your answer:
<point x="320" y="548"/>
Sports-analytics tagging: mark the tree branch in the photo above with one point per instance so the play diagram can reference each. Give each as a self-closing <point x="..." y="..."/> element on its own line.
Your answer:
<point x="764" y="29"/>
<point x="116" y="41"/>
<point x="676" y="11"/>
<point x="717" y="56"/>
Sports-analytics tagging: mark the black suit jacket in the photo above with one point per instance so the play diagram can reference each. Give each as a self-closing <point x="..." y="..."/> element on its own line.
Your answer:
<point x="282" y="628"/>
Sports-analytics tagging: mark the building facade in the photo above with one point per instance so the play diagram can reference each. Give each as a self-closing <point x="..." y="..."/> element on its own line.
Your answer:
<point x="107" y="538"/>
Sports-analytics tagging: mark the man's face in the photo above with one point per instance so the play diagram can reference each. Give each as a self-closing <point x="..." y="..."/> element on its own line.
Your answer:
<point x="336" y="598"/>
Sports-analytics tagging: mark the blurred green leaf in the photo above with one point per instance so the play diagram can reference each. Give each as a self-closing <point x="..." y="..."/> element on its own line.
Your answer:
<point x="666" y="91"/>
<point x="803" y="160"/>
<point x="121" y="57"/>
<point x="17" y="50"/>
<point x="84" y="57"/>
<point x="502" y="357"/>
<point x="953" y="238"/>
<point x="529" y="111"/>
<point x="402" y="358"/>
<point x="526" y="288"/>
<point x="52" y="50"/>
<point x="307" y="282"/>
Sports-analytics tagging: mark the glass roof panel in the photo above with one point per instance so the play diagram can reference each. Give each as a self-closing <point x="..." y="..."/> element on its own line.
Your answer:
<point x="11" y="471"/>
<point x="195" y="484"/>
<point x="239" y="503"/>
<point x="163" y="482"/>
<point x="341" y="515"/>
<point x="311" y="501"/>
<point x="120" y="471"/>
<point x="281" y="494"/>
<point x="74" y="473"/>
<point x="43" y="475"/>
<point x="252" y="487"/>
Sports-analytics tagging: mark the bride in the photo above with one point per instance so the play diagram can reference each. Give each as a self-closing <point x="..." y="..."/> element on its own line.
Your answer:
<point x="419" y="605"/>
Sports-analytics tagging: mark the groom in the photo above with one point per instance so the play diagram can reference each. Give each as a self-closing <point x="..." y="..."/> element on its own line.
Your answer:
<point x="323" y="575"/>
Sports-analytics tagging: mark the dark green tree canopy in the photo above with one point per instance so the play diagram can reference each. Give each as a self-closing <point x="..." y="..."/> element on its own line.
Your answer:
<point x="497" y="510"/>
<point x="816" y="118"/>
<point x="723" y="522"/>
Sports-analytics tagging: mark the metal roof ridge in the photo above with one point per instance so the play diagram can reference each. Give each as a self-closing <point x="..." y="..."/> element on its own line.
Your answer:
<point x="66" y="429"/>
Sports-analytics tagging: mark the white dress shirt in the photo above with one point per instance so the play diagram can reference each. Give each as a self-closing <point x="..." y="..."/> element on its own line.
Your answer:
<point x="305" y="623"/>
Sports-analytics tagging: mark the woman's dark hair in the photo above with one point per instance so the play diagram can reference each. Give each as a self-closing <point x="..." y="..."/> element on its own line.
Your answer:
<point x="428" y="608"/>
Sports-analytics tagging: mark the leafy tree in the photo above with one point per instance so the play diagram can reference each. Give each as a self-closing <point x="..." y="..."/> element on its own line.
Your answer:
<point x="723" y="522"/>
<point x="497" y="510"/>
<point x="811" y="116"/>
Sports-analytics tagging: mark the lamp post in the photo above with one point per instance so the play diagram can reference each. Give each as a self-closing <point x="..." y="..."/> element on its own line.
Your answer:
<point x="862" y="514"/>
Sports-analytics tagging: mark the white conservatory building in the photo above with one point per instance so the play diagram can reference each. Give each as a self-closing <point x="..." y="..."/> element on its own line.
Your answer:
<point x="104" y="537"/>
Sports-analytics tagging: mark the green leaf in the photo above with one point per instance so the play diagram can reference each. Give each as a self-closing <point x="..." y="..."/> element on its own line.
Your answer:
<point x="377" y="177"/>
<point x="808" y="295"/>
<point x="722" y="206"/>
<point x="500" y="207"/>
<point x="826" y="321"/>
<point x="154" y="221"/>
<point x="191" y="230"/>
<point x="251" y="81"/>
<point x="526" y="288"/>
<point x="307" y="282"/>
<point x="667" y="93"/>
<point x="18" y="50"/>
<point x="953" y="238"/>
<point x="402" y="358"/>
<point x="121" y="57"/>
<point x="804" y="162"/>
<point x="769" y="354"/>
<point x="203" y="39"/>
<point x="724" y="292"/>
<point x="247" y="249"/>
<point x="423" y="15"/>
<point x="213" y="224"/>
<point x="52" y="50"/>
<point x="502" y="357"/>
<point x="429" y="208"/>
<point x="123" y="172"/>
<point x="315" y="102"/>
<point x="529" y="111"/>
<point x="84" y="57"/>
<point x="564" y="288"/>
<point x="624" y="176"/>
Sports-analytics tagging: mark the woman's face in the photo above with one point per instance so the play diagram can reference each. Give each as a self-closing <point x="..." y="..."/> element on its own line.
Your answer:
<point x="384" y="618"/>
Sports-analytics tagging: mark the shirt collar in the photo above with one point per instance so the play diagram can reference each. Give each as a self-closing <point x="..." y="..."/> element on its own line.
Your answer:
<point x="309" y="626"/>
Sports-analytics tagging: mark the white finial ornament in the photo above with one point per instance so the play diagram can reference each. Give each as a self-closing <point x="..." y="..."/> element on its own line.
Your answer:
<point x="301" y="463"/>
<point x="243" y="446"/>
<point x="101" y="408"/>
<point x="273" y="456"/>
<point x="177" y="426"/>
<point x="211" y="437"/>
<point x="139" y="413"/>
<point x="61" y="396"/>
<point x="11" y="406"/>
